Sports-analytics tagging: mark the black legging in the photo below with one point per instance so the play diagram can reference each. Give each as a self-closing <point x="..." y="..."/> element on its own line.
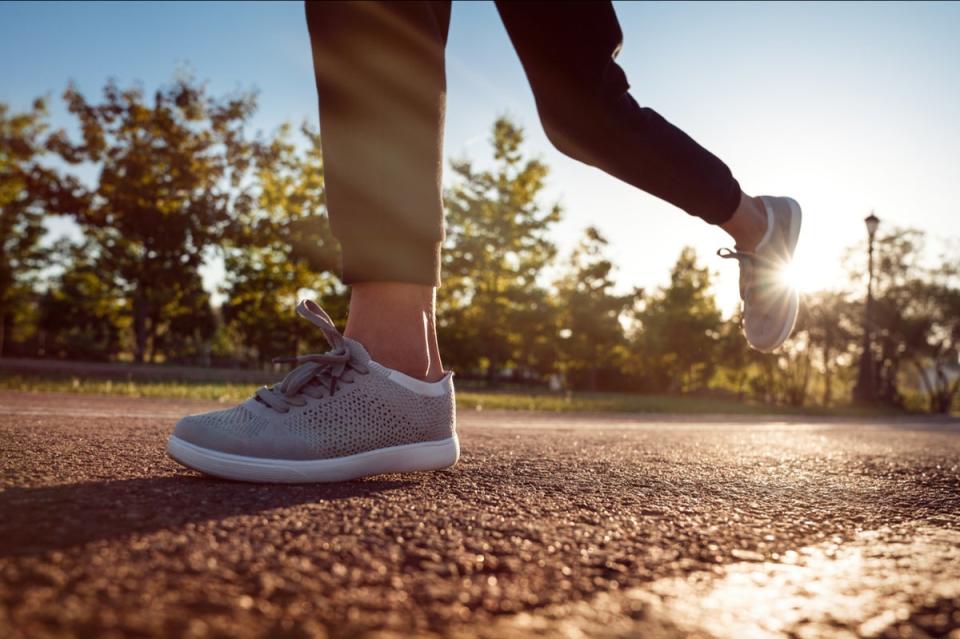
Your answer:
<point x="381" y="85"/>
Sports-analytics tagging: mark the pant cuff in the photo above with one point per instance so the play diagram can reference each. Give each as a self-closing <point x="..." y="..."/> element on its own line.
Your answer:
<point x="376" y="259"/>
<point x="724" y="209"/>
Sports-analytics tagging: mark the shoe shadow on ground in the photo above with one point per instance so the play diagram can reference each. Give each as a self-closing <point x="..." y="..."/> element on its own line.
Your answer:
<point x="37" y="520"/>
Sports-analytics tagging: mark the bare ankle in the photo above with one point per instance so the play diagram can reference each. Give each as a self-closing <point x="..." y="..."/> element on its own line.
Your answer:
<point x="395" y="322"/>
<point x="412" y="362"/>
<point x="748" y="224"/>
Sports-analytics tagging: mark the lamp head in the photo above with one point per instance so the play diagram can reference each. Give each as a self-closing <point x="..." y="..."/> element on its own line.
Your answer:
<point x="872" y="222"/>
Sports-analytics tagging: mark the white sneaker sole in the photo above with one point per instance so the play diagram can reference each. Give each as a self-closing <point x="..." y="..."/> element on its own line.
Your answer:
<point x="396" y="459"/>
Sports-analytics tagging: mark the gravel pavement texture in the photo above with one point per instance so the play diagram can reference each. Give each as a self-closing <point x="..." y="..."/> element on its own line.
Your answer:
<point x="550" y="526"/>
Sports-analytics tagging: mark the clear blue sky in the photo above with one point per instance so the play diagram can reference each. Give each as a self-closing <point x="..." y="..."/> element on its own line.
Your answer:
<point x="847" y="107"/>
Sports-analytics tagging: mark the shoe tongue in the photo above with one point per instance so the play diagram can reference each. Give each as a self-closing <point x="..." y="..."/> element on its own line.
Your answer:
<point x="357" y="351"/>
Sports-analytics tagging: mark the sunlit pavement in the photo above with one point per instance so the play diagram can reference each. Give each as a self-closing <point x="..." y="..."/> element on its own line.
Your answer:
<point x="586" y="526"/>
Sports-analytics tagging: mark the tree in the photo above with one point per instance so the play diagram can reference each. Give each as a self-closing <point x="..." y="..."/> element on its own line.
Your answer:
<point x="829" y="322"/>
<point x="679" y="329"/>
<point x="914" y="318"/>
<point x="172" y="176"/>
<point x="735" y="356"/>
<point x="794" y="360"/>
<point x="79" y="316"/>
<point x="27" y="189"/>
<point x="898" y="328"/>
<point x="592" y="338"/>
<point x="496" y="248"/>
<point x="189" y="324"/>
<point x="281" y="246"/>
<point x="937" y="359"/>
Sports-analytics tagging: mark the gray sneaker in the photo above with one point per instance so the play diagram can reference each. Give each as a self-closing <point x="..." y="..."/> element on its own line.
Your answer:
<point x="770" y="305"/>
<point x="337" y="416"/>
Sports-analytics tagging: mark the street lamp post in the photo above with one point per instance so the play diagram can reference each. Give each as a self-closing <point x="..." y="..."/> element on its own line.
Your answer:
<point x="864" y="390"/>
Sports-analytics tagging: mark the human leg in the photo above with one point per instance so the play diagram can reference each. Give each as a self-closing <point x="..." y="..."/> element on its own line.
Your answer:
<point x="363" y="407"/>
<point x="381" y="87"/>
<point x="397" y="320"/>
<point x="568" y="52"/>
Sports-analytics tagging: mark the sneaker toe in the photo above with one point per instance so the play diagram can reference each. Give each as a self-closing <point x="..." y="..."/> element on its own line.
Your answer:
<point x="197" y="430"/>
<point x="240" y="432"/>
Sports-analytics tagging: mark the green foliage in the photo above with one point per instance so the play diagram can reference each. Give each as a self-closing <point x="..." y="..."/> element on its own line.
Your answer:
<point x="736" y="358"/>
<point x="27" y="190"/>
<point x="496" y="248"/>
<point x="179" y="183"/>
<point x="80" y="317"/>
<point x="914" y="319"/>
<point x="591" y="336"/>
<point x="829" y="323"/>
<point x="936" y="355"/>
<point x="281" y="247"/>
<point x="679" y="328"/>
<point x="172" y="172"/>
<point x="899" y="326"/>
<point x="189" y="324"/>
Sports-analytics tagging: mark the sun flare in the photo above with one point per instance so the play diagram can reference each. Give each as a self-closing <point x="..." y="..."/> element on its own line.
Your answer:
<point x="807" y="276"/>
<point x="792" y="276"/>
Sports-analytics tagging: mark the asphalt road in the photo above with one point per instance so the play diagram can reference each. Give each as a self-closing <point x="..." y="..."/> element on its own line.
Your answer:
<point x="587" y="526"/>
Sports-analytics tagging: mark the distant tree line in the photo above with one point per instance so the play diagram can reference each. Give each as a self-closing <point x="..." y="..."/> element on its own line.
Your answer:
<point x="178" y="179"/>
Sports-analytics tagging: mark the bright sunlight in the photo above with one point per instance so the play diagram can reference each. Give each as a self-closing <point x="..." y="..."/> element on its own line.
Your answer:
<point x="808" y="275"/>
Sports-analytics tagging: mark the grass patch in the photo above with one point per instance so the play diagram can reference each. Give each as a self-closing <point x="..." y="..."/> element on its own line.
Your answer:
<point x="630" y="403"/>
<point x="469" y="399"/>
<point x="220" y="391"/>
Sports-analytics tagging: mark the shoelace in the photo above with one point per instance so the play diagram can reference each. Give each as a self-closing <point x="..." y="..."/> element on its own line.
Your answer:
<point x="318" y="374"/>
<point x="749" y="262"/>
<point x="746" y="260"/>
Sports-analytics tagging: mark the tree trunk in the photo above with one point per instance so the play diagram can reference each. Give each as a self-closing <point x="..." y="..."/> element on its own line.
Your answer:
<point x="152" y="340"/>
<point x="805" y="384"/>
<point x="951" y="393"/>
<point x="3" y="323"/>
<point x="931" y="395"/>
<point x="492" y="374"/>
<point x="827" y="378"/>
<point x="944" y="397"/>
<point x="139" y="326"/>
<point x="155" y="341"/>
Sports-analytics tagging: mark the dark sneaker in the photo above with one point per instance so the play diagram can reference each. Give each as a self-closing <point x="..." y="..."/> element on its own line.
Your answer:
<point x="770" y="305"/>
<point x="338" y="416"/>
